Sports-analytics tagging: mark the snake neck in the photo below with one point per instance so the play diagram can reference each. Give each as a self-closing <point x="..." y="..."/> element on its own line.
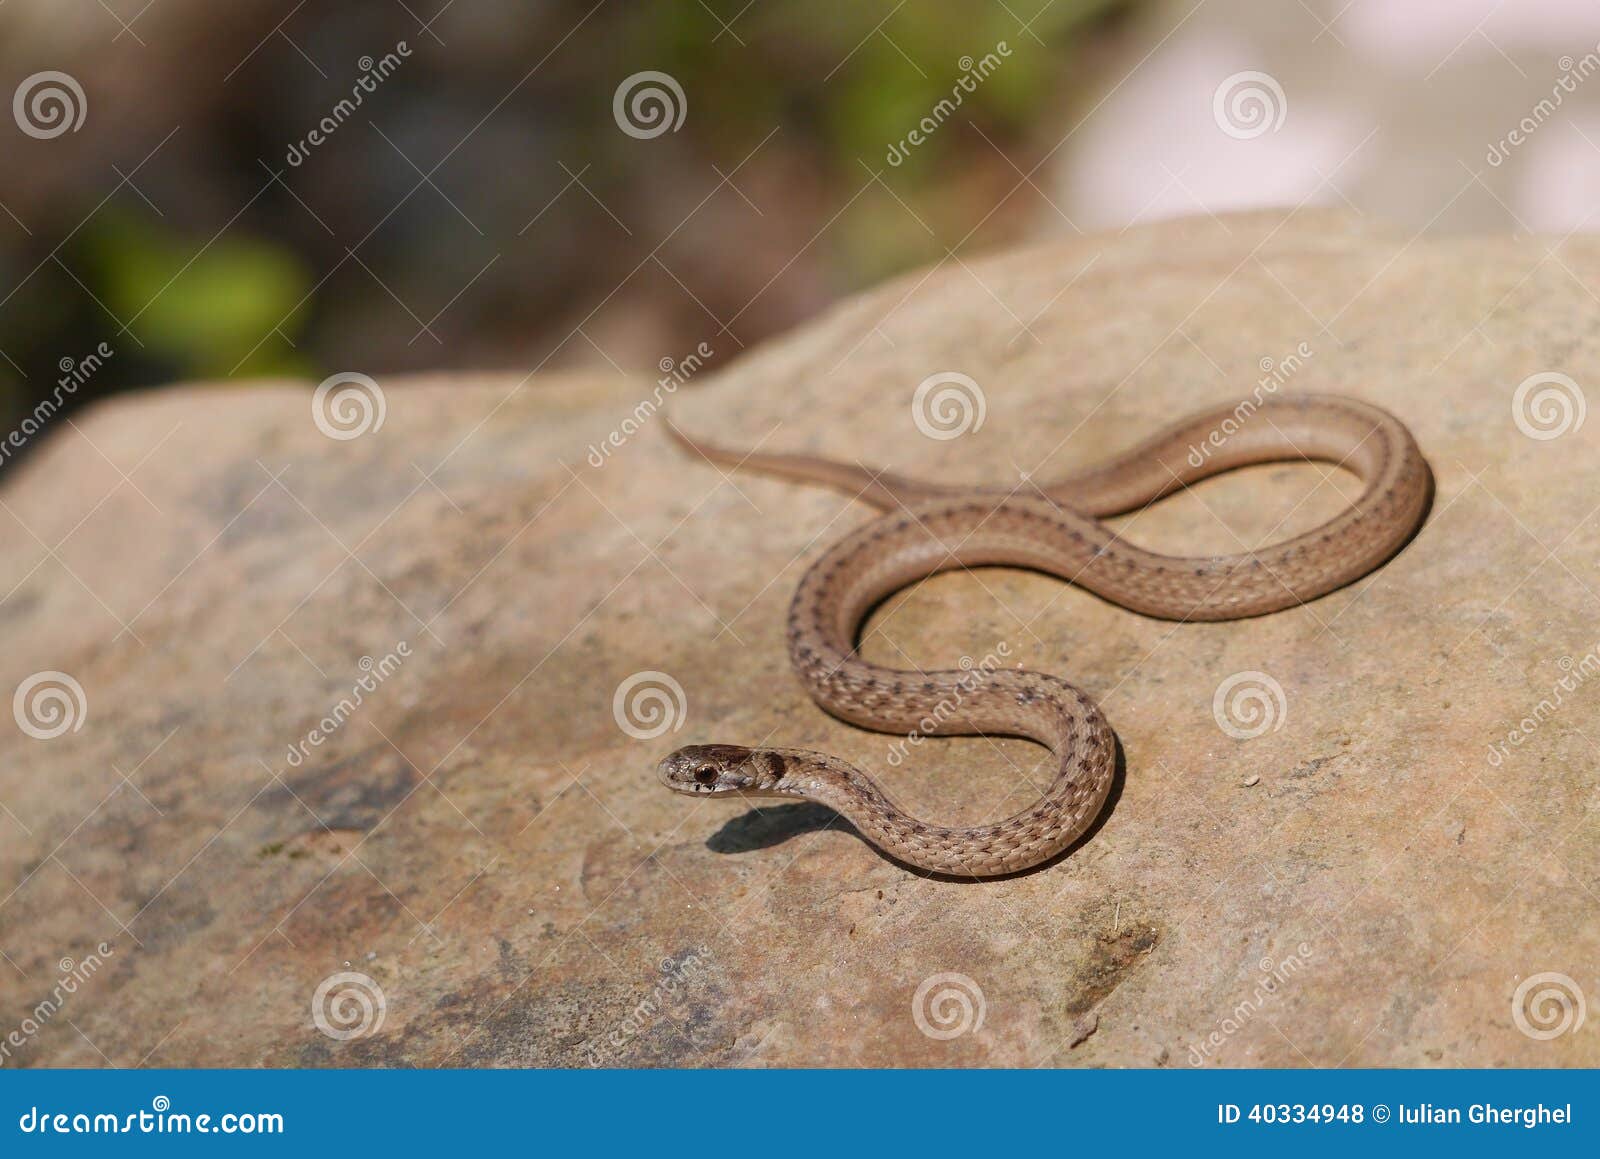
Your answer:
<point x="1003" y="701"/>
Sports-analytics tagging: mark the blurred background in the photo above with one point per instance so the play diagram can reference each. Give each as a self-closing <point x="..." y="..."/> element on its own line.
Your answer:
<point x="230" y="191"/>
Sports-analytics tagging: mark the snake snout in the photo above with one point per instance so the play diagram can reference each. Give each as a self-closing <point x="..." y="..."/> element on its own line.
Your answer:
<point x="700" y="770"/>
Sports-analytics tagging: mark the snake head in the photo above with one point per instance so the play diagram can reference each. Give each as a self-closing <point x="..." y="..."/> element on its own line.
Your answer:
<point x="713" y="770"/>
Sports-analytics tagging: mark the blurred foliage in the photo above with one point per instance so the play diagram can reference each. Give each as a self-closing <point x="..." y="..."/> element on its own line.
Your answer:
<point x="845" y="86"/>
<point x="852" y="112"/>
<point x="204" y="313"/>
<point x="352" y="260"/>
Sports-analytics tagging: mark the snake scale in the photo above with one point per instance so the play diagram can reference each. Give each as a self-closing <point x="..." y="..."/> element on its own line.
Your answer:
<point x="931" y="528"/>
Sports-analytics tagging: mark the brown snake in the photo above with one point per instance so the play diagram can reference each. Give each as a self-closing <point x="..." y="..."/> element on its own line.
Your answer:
<point x="933" y="528"/>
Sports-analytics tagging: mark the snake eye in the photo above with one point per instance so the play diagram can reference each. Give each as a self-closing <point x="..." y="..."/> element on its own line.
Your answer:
<point x="705" y="775"/>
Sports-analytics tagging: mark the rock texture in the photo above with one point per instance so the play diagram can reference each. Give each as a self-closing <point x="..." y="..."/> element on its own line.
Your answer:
<point x="1367" y="882"/>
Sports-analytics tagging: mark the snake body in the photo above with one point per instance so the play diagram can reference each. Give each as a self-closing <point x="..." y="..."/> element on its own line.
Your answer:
<point x="932" y="528"/>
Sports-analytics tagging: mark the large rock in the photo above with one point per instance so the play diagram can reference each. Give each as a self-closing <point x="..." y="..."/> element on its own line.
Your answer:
<point x="1368" y="881"/>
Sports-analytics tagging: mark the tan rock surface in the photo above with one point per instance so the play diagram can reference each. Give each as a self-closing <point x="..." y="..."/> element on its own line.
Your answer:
<point x="483" y="840"/>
